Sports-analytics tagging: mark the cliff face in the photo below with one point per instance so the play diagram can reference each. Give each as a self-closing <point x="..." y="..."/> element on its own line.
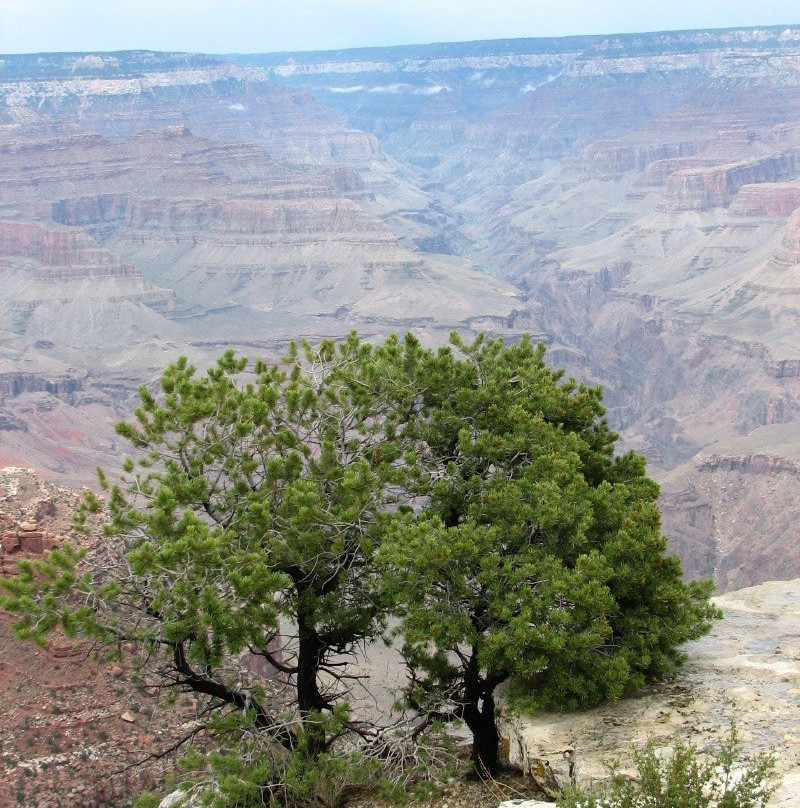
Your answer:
<point x="731" y="510"/>
<point x="631" y="200"/>
<point x="609" y="159"/>
<point x="768" y="199"/>
<point x="788" y="254"/>
<point x="149" y="208"/>
<point x="68" y="250"/>
<point x="223" y="102"/>
<point x="219" y="230"/>
<point x="295" y="217"/>
<point x="716" y="186"/>
<point x="45" y="266"/>
<point x="15" y="383"/>
<point x="545" y="95"/>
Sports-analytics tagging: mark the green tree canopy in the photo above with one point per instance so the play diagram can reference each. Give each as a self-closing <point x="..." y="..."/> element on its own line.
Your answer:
<point x="249" y="521"/>
<point x="471" y="492"/>
<point x="538" y="553"/>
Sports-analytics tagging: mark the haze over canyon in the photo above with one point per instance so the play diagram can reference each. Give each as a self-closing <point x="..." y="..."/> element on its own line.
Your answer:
<point x="633" y="201"/>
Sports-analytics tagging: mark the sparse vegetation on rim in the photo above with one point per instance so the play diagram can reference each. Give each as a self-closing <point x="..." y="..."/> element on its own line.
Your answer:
<point x="290" y="510"/>
<point x="680" y="777"/>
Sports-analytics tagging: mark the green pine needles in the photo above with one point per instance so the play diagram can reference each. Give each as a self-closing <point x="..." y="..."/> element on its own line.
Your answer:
<point x="470" y="494"/>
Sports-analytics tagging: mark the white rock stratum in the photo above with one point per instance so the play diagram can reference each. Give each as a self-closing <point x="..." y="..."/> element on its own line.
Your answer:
<point x="747" y="670"/>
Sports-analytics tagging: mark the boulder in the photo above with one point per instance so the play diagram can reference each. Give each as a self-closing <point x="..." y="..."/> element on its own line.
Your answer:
<point x="50" y="542"/>
<point x="31" y="542"/>
<point x="64" y="649"/>
<point x="525" y="804"/>
<point x="182" y="799"/>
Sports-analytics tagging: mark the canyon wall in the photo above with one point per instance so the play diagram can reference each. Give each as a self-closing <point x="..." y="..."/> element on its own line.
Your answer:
<point x="631" y="200"/>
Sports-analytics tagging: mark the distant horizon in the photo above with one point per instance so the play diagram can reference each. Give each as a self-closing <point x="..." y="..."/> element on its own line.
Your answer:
<point x="655" y="32"/>
<point x="274" y="26"/>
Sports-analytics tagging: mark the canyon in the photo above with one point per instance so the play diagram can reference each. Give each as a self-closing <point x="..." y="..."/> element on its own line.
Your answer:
<point x="632" y="201"/>
<point x="641" y="191"/>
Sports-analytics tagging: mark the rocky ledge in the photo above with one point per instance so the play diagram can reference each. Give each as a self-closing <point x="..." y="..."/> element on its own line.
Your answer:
<point x="77" y="733"/>
<point x="34" y="516"/>
<point x="747" y="670"/>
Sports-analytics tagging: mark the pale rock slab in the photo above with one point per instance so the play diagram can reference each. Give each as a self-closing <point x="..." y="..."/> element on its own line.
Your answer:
<point x="525" y="804"/>
<point x="788" y="793"/>
<point x="182" y="799"/>
<point x="747" y="670"/>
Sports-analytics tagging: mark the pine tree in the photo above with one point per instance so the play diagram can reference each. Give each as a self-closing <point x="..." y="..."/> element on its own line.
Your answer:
<point x="538" y="554"/>
<point x="249" y="521"/>
<point x="471" y="492"/>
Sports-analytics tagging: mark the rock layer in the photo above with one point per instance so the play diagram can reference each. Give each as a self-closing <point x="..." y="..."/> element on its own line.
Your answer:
<point x="731" y="511"/>
<point x="34" y="524"/>
<point x="747" y="670"/>
<point x="629" y="199"/>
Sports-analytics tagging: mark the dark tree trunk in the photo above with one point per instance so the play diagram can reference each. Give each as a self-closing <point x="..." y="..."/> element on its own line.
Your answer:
<point x="309" y="700"/>
<point x="485" y="738"/>
<point x="479" y="716"/>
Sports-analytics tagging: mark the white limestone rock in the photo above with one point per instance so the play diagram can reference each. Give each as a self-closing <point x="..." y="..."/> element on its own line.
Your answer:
<point x="747" y="670"/>
<point x="525" y="804"/>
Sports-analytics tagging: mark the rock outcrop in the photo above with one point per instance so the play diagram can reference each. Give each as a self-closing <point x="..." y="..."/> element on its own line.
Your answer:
<point x="788" y="255"/>
<point x="76" y="732"/>
<point x="221" y="101"/>
<point x="34" y="516"/>
<point x="55" y="247"/>
<point x="715" y="186"/>
<point x="49" y="266"/>
<point x="732" y="511"/>
<point x="746" y="671"/>
<point x="203" y="219"/>
<point x="609" y="159"/>
<point x="767" y="199"/>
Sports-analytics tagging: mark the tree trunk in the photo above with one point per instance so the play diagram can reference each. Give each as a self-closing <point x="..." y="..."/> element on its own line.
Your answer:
<point x="309" y="699"/>
<point x="485" y="738"/>
<point x="478" y="714"/>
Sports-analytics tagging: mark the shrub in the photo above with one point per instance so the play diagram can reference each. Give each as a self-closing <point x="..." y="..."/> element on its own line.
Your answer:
<point x="684" y="779"/>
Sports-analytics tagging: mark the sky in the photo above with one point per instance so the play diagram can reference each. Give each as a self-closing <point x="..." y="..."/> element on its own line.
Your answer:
<point x="260" y="26"/>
